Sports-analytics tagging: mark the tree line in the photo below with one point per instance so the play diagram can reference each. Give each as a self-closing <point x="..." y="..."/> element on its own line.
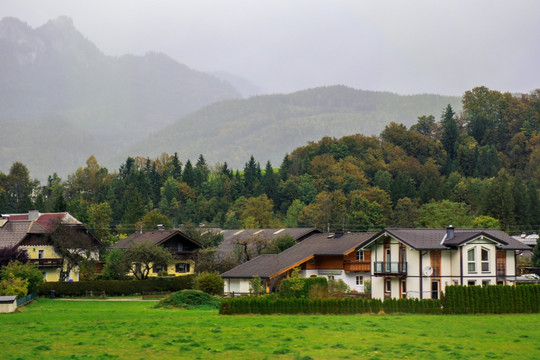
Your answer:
<point x="478" y="168"/>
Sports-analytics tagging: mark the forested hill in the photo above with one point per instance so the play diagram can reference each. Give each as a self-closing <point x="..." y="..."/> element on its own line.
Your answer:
<point x="480" y="168"/>
<point x="53" y="73"/>
<point x="268" y="126"/>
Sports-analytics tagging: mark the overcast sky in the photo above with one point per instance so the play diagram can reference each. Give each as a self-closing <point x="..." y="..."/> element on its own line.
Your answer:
<point x="407" y="47"/>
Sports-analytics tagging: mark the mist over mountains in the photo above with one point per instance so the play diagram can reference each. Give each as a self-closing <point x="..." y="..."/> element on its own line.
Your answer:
<point x="62" y="100"/>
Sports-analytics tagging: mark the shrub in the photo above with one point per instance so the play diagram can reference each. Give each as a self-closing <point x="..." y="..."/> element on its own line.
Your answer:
<point x="14" y="286"/>
<point x="337" y="288"/>
<point x="255" y="286"/>
<point x="318" y="291"/>
<point x="26" y="271"/>
<point x="210" y="283"/>
<point x="188" y="299"/>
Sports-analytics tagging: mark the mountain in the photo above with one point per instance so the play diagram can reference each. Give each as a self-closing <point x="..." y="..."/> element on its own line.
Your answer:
<point x="269" y="126"/>
<point x="244" y="86"/>
<point x="54" y="73"/>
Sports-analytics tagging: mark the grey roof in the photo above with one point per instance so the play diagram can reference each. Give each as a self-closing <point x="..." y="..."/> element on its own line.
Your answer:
<point x="432" y="239"/>
<point x="232" y="237"/>
<point x="529" y="240"/>
<point x="155" y="237"/>
<point x="266" y="266"/>
<point x="7" y="298"/>
<point x="13" y="232"/>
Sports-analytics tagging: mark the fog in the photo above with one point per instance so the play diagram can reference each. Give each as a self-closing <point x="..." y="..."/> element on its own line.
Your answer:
<point x="407" y="47"/>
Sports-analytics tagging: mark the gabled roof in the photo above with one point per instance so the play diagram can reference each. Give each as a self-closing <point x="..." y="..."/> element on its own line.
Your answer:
<point x="13" y="232"/>
<point x="156" y="237"/>
<point x="268" y="266"/>
<point x="232" y="236"/>
<point x="14" y="228"/>
<point x="436" y="239"/>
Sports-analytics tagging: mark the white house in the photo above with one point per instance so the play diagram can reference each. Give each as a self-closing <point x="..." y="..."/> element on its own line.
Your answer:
<point x="334" y="256"/>
<point x="420" y="263"/>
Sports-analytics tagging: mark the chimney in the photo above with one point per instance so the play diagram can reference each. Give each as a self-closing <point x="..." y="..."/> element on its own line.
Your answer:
<point x="33" y="215"/>
<point x="449" y="232"/>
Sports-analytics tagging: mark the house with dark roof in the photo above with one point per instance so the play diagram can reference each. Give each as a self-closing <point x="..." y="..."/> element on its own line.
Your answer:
<point x="29" y="232"/>
<point x="334" y="256"/>
<point x="243" y="243"/>
<point x="182" y="247"/>
<point x="420" y="263"/>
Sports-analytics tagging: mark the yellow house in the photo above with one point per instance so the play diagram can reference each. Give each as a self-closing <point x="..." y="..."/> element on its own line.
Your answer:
<point x="181" y="246"/>
<point x="28" y="232"/>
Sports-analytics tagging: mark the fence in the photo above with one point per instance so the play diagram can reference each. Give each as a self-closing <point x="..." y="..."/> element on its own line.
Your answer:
<point x="26" y="299"/>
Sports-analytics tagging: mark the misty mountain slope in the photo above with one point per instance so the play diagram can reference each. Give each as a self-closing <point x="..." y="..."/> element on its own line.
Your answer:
<point x="46" y="147"/>
<point x="53" y="72"/>
<point x="270" y="126"/>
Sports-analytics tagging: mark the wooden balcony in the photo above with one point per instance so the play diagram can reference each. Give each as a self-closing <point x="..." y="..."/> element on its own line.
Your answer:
<point x="183" y="255"/>
<point x="350" y="266"/>
<point x="47" y="263"/>
<point x="392" y="269"/>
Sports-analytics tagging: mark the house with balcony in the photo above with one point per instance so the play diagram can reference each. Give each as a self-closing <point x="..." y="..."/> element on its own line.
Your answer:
<point x="334" y="256"/>
<point x="182" y="247"/>
<point x="29" y="231"/>
<point x="420" y="263"/>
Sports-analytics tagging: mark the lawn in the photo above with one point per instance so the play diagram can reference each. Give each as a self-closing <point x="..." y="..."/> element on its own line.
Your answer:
<point x="57" y="329"/>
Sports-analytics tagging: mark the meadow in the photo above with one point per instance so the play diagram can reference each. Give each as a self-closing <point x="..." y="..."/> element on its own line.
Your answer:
<point x="59" y="329"/>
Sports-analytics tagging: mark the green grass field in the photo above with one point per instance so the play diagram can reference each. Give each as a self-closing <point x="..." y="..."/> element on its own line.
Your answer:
<point x="57" y="329"/>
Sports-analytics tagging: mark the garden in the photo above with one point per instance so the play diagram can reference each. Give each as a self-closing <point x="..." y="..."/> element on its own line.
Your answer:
<point x="102" y="329"/>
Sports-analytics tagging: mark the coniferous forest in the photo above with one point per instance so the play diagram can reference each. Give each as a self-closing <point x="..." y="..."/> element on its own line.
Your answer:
<point x="477" y="168"/>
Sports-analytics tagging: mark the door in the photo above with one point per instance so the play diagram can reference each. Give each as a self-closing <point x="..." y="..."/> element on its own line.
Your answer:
<point x="435" y="289"/>
<point x="388" y="259"/>
<point x="501" y="263"/>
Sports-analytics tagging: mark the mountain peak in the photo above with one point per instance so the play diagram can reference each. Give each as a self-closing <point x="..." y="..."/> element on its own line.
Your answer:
<point x="63" y="22"/>
<point x="13" y="29"/>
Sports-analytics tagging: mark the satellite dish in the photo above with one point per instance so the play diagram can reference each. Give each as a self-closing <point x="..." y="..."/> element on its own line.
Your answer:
<point x="428" y="270"/>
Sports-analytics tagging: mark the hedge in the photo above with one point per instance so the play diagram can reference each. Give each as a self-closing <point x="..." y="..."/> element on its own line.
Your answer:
<point x="270" y="304"/>
<point x="494" y="299"/>
<point x="118" y="287"/>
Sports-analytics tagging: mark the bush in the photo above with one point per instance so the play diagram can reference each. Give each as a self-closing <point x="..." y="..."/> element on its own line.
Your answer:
<point x="118" y="287"/>
<point x="189" y="299"/>
<point x="14" y="286"/>
<point x="337" y="288"/>
<point x="26" y="271"/>
<point x="210" y="283"/>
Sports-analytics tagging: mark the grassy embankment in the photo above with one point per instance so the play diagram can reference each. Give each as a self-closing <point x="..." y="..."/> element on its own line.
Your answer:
<point x="60" y="329"/>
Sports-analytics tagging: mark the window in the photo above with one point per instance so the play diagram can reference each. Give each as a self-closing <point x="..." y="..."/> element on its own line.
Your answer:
<point x="471" y="261"/>
<point x="404" y="287"/>
<point x="388" y="285"/>
<point x="180" y="246"/>
<point x="330" y="277"/>
<point x="359" y="280"/>
<point x="471" y="282"/>
<point x="41" y="254"/>
<point x="485" y="260"/>
<point x="182" y="268"/>
<point x="456" y="282"/>
<point x="485" y="282"/>
<point x="359" y="255"/>
<point x="158" y="268"/>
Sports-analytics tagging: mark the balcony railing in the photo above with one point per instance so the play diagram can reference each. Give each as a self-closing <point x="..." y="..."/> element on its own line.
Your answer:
<point x="390" y="268"/>
<point x="47" y="263"/>
<point x="357" y="266"/>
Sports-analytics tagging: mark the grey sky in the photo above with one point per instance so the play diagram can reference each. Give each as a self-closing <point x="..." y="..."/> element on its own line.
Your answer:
<point x="444" y="47"/>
